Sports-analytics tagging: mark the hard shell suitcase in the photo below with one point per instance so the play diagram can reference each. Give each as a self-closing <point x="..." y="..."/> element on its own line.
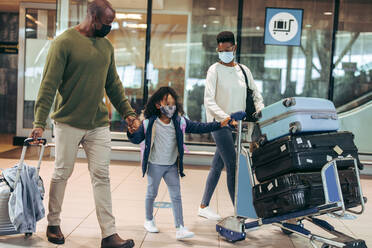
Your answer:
<point x="301" y="153"/>
<point x="6" y="226"/>
<point x="299" y="191"/>
<point x="297" y="115"/>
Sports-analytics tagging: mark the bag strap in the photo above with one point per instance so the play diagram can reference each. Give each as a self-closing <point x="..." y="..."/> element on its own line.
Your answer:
<point x="246" y="78"/>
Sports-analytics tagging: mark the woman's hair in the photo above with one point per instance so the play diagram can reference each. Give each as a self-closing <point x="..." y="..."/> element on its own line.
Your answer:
<point x="157" y="97"/>
<point x="226" y="36"/>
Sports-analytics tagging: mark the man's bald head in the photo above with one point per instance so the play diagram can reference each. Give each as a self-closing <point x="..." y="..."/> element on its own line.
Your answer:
<point x="99" y="8"/>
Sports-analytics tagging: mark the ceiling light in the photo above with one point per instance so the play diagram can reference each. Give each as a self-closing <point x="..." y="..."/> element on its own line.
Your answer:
<point x="211" y="8"/>
<point x="216" y="21"/>
<point x="308" y="25"/>
<point x="327" y="13"/>
<point x="204" y="25"/>
<point x="134" y="25"/>
<point x="258" y="28"/>
<point x="129" y="16"/>
<point x="114" y="26"/>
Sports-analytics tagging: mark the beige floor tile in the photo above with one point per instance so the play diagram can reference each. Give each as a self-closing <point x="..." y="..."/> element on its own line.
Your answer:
<point x="17" y="241"/>
<point x="80" y="225"/>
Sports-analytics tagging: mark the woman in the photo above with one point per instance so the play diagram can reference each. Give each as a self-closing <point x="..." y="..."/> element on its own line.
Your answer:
<point x="225" y="93"/>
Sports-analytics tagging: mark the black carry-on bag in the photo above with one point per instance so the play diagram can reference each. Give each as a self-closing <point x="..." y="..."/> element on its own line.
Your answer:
<point x="303" y="153"/>
<point x="298" y="191"/>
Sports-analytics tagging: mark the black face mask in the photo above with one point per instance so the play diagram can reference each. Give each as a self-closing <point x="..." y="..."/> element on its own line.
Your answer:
<point x="105" y="29"/>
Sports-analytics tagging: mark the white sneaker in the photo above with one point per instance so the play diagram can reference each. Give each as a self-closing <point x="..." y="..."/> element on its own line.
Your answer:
<point x="150" y="226"/>
<point x="183" y="233"/>
<point x="208" y="213"/>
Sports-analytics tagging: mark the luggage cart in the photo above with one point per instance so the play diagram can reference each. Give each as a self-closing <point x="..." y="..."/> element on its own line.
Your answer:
<point x="233" y="228"/>
<point x="6" y="227"/>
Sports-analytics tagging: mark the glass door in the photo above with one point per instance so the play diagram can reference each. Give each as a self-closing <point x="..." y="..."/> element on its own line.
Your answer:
<point x="37" y="28"/>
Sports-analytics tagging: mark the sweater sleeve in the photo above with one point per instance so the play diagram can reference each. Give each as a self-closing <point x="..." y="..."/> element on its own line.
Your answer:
<point x="138" y="136"/>
<point x="210" y="95"/>
<point x="115" y="91"/>
<point x="52" y="78"/>
<point x="198" y="127"/>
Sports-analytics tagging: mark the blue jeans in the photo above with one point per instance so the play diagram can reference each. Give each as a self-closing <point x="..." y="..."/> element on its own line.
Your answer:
<point x="171" y="177"/>
<point x="225" y="156"/>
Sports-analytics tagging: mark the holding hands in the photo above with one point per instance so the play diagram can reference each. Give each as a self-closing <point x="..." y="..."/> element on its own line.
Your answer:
<point x="133" y="124"/>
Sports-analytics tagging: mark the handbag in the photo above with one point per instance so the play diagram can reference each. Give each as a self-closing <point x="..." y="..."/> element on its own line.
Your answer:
<point x="250" y="108"/>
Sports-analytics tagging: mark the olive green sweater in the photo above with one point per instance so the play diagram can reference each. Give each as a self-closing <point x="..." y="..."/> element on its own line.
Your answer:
<point x="77" y="73"/>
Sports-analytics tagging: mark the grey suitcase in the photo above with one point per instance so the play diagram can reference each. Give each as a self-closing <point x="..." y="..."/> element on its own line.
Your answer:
<point x="6" y="226"/>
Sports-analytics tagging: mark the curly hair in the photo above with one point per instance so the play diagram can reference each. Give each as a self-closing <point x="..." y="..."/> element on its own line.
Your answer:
<point x="157" y="97"/>
<point x="226" y="36"/>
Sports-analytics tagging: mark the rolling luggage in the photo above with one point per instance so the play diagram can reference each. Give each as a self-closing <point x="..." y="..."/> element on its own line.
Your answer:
<point x="7" y="190"/>
<point x="301" y="153"/>
<point x="6" y="227"/>
<point x="294" y="192"/>
<point x="297" y="115"/>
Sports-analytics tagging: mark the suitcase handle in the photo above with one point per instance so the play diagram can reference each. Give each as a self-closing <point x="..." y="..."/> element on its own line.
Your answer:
<point x="289" y="102"/>
<point x="27" y="142"/>
<point x="324" y="116"/>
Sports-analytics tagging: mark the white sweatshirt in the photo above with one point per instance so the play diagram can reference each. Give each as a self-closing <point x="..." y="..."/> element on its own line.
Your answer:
<point x="225" y="91"/>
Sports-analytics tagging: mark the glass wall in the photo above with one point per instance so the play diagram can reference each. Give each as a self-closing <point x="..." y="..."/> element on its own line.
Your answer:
<point x="283" y="71"/>
<point x="40" y="29"/>
<point x="183" y="41"/>
<point x="353" y="55"/>
<point x="128" y="37"/>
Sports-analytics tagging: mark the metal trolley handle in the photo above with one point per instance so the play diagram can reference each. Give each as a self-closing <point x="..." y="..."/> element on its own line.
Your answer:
<point x="28" y="142"/>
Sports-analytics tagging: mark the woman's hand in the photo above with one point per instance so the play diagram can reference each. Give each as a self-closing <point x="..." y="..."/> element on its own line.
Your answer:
<point x="225" y="122"/>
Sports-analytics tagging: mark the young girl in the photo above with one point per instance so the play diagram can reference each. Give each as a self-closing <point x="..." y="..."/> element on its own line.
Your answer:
<point x="163" y="131"/>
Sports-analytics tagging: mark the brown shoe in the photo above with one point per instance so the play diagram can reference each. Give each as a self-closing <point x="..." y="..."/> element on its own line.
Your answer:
<point x="55" y="235"/>
<point x="114" y="241"/>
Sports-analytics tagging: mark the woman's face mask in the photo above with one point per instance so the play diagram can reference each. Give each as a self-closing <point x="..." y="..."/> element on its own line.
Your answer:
<point x="226" y="57"/>
<point x="168" y="110"/>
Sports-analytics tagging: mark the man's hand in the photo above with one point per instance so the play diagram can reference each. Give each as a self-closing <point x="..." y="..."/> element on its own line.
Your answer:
<point x="133" y="124"/>
<point x="36" y="133"/>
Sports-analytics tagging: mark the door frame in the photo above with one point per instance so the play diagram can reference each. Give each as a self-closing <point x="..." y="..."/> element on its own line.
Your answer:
<point x="20" y="130"/>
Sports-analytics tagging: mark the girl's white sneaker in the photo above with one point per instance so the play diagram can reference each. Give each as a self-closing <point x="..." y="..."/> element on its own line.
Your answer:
<point x="183" y="233"/>
<point x="150" y="226"/>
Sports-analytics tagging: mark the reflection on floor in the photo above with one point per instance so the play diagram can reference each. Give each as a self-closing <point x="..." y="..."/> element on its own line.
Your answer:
<point x="80" y="226"/>
<point x="5" y="142"/>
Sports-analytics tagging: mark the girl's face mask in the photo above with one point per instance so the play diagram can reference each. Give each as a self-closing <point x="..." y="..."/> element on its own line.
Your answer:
<point x="168" y="110"/>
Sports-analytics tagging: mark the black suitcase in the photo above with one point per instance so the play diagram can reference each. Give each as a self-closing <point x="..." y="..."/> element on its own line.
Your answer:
<point x="302" y="153"/>
<point x="299" y="191"/>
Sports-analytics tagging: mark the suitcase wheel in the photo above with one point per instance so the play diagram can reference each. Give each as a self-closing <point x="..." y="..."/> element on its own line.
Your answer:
<point x="288" y="102"/>
<point x="28" y="235"/>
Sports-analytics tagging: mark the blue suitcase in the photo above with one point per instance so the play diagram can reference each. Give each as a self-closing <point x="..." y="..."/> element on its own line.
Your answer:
<point x="297" y="115"/>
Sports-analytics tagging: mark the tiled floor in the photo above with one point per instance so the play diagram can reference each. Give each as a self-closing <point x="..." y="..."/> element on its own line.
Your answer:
<point x="80" y="226"/>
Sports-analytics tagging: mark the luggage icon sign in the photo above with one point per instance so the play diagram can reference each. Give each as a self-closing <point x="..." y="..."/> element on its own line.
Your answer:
<point x="283" y="26"/>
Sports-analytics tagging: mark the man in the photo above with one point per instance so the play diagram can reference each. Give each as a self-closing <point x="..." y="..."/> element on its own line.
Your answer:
<point x="225" y="93"/>
<point x="80" y="68"/>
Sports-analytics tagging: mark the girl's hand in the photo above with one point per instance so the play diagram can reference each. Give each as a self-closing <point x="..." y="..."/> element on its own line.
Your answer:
<point x="225" y="122"/>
